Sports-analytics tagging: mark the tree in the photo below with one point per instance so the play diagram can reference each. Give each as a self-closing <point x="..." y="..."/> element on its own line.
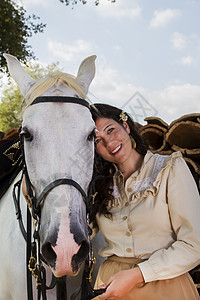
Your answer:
<point x="12" y="101"/>
<point x="73" y="2"/>
<point x="15" y="29"/>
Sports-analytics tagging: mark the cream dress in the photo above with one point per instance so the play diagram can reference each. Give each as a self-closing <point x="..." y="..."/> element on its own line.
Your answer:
<point x="155" y="224"/>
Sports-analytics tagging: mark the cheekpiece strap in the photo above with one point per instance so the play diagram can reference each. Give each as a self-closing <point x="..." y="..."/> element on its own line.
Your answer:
<point x="58" y="99"/>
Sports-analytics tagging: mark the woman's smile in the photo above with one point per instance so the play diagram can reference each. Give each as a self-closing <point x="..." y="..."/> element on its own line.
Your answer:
<point x="117" y="149"/>
<point x="112" y="140"/>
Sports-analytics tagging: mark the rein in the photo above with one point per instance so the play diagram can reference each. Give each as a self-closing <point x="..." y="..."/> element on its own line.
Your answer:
<point x="34" y="266"/>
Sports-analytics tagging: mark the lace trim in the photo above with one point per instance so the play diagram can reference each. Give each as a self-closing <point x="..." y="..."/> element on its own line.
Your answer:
<point x="143" y="187"/>
<point x="116" y="193"/>
<point x="144" y="184"/>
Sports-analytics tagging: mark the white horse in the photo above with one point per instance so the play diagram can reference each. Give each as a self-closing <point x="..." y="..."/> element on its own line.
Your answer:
<point x="56" y="145"/>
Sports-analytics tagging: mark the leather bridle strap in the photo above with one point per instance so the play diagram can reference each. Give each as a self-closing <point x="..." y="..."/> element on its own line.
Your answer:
<point x="56" y="183"/>
<point x="58" y="99"/>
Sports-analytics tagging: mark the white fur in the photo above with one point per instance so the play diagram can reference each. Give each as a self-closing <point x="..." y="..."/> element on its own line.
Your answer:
<point x="59" y="149"/>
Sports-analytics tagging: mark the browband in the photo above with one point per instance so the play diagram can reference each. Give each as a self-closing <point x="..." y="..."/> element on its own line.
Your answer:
<point x="61" y="99"/>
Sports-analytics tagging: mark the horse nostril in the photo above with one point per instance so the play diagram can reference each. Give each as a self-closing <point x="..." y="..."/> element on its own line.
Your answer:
<point x="80" y="256"/>
<point x="48" y="254"/>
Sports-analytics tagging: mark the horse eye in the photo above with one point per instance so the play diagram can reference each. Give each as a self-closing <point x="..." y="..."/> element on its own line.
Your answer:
<point x="26" y="134"/>
<point x="91" y="135"/>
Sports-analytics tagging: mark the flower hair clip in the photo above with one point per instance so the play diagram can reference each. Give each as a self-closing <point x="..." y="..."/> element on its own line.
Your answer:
<point x="123" y="116"/>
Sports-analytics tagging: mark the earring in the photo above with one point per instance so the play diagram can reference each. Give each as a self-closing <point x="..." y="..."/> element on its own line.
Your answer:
<point x="133" y="142"/>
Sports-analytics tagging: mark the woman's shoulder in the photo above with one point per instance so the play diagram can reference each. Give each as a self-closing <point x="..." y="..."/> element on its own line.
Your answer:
<point x="158" y="161"/>
<point x="168" y="165"/>
<point x="155" y="171"/>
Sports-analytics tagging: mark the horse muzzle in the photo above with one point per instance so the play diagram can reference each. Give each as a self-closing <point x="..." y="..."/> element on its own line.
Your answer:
<point x="65" y="250"/>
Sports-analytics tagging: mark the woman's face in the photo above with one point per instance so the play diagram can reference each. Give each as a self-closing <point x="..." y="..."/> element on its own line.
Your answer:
<point x="112" y="140"/>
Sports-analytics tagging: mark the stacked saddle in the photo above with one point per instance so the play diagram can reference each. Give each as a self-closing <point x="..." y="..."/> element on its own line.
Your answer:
<point x="181" y="135"/>
<point x="10" y="156"/>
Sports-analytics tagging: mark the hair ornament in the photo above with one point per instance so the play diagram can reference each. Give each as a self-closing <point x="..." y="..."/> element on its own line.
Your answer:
<point x="123" y="116"/>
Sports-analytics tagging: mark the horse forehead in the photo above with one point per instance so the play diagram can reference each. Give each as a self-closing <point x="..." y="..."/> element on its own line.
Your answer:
<point x="60" y="89"/>
<point x="57" y="114"/>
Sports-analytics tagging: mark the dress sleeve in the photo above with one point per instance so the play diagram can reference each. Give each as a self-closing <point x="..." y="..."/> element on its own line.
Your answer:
<point x="184" y="210"/>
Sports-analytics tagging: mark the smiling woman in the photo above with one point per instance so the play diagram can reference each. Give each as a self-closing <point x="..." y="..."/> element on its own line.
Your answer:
<point x="113" y="143"/>
<point x="147" y="208"/>
<point x="110" y="124"/>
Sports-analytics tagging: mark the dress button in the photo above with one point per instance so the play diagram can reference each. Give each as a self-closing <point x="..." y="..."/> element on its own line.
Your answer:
<point x="129" y="190"/>
<point x="127" y="204"/>
<point x="124" y="218"/>
<point x="128" y="233"/>
<point x="129" y="250"/>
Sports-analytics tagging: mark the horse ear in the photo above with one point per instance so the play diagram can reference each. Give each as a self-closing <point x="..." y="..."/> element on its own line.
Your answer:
<point x="17" y="72"/>
<point x="86" y="73"/>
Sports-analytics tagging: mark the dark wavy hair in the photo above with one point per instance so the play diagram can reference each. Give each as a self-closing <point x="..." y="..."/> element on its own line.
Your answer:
<point x="104" y="170"/>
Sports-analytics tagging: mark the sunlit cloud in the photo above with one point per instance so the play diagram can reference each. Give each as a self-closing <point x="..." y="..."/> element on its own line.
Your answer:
<point x="178" y="40"/>
<point x="119" y="9"/>
<point x="171" y="102"/>
<point x="189" y="46"/>
<point x="187" y="60"/>
<point x="161" y="18"/>
<point x="117" y="48"/>
<point x="72" y="52"/>
<point x="176" y="100"/>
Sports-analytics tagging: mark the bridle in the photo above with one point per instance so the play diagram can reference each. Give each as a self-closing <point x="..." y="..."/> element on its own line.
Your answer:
<point x="35" y="267"/>
<point x="36" y="202"/>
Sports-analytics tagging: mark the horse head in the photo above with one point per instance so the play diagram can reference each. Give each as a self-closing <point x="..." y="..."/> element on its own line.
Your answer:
<point x="57" y="146"/>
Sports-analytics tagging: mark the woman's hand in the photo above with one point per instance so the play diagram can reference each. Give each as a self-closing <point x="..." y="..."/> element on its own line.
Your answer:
<point x="121" y="283"/>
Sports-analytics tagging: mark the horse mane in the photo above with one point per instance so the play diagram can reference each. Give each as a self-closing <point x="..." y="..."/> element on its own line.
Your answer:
<point x="50" y="80"/>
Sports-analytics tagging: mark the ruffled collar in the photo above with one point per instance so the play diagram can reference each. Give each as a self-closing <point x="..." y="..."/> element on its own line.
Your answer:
<point x="147" y="179"/>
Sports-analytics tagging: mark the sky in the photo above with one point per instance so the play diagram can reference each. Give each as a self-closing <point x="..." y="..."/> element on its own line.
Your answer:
<point x="148" y="51"/>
